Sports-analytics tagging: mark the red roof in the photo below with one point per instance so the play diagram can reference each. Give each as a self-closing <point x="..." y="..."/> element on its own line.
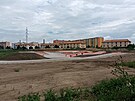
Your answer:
<point x="46" y="44"/>
<point x="117" y="40"/>
<point x="73" y="42"/>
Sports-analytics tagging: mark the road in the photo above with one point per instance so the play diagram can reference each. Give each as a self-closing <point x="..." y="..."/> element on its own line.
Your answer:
<point x="56" y="56"/>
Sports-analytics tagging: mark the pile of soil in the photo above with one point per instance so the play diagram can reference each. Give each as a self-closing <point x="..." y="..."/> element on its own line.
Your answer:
<point x="22" y="56"/>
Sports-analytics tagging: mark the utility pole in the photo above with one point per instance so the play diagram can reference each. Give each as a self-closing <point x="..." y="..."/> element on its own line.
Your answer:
<point x="26" y="35"/>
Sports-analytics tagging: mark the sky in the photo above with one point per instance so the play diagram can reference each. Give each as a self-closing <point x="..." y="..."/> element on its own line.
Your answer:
<point x="66" y="19"/>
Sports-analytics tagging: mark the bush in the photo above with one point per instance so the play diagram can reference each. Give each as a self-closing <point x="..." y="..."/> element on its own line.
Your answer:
<point x="131" y="47"/>
<point x="129" y="64"/>
<point x="16" y="70"/>
<point x="115" y="90"/>
<point x="30" y="97"/>
<point x="50" y="96"/>
<point x="69" y="94"/>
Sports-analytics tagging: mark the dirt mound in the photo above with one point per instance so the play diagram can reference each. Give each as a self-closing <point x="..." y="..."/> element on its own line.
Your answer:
<point x="22" y="56"/>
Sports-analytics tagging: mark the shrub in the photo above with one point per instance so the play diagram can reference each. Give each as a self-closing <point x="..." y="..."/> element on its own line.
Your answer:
<point x="129" y="64"/>
<point x="16" y="70"/>
<point x="50" y="96"/>
<point x="30" y="97"/>
<point x="115" y="90"/>
<point x="70" y="94"/>
<point x="131" y="47"/>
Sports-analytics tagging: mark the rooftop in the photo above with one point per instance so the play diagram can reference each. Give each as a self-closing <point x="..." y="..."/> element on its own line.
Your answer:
<point x="117" y="40"/>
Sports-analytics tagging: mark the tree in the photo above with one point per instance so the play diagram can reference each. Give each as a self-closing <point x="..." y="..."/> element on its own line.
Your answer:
<point x="18" y="47"/>
<point x="8" y="47"/>
<point x="30" y="47"/>
<point x="68" y="47"/>
<point x="88" y="46"/>
<point x="1" y="47"/>
<point x="56" y="46"/>
<point x="47" y="46"/>
<point x="115" y="47"/>
<point x="37" y="47"/>
<point x="24" y="48"/>
<point x="97" y="46"/>
<point x="131" y="47"/>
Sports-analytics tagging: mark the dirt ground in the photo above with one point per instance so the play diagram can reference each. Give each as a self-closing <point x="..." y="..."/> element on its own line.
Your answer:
<point x="20" y="79"/>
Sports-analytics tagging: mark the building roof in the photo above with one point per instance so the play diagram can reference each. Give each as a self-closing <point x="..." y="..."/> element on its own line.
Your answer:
<point x="26" y="44"/>
<point x="117" y="40"/>
<point x="48" y="44"/>
<point x="69" y="41"/>
<point x="73" y="42"/>
<point x="5" y="42"/>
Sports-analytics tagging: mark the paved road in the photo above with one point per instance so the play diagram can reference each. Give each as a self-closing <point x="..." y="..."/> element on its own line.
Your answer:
<point x="55" y="56"/>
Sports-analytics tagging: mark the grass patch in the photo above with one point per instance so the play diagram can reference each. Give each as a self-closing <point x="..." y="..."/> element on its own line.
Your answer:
<point x="15" y="55"/>
<point x="6" y="53"/>
<point x="128" y="64"/>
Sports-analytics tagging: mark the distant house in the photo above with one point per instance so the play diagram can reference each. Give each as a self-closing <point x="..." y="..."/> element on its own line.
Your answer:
<point x="68" y="44"/>
<point x="31" y="45"/>
<point x="47" y="45"/>
<point x="73" y="44"/>
<point x="116" y="43"/>
<point x="5" y="44"/>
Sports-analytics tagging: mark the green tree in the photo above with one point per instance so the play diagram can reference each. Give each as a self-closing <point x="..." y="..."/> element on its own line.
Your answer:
<point x="131" y="47"/>
<point x="1" y="47"/>
<point x="8" y="47"/>
<point x="30" y="47"/>
<point x="37" y="47"/>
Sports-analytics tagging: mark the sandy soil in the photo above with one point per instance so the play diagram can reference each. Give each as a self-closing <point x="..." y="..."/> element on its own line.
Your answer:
<point x="37" y="77"/>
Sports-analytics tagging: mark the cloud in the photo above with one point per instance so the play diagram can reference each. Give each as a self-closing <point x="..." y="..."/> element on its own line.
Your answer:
<point x="66" y="19"/>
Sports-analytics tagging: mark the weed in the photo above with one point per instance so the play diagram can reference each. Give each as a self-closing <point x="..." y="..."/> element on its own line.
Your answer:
<point x="16" y="70"/>
<point x="50" y="96"/>
<point x="30" y="97"/>
<point x="129" y="64"/>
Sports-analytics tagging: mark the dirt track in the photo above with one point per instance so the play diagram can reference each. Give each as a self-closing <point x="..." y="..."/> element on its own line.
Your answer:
<point x="37" y="77"/>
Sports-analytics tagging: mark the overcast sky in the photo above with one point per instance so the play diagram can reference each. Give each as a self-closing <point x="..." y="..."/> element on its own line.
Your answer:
<point x="66" y="19"/>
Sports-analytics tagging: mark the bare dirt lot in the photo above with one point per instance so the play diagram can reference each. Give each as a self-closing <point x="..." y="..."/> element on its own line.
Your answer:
<point x="20" y="79"/>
